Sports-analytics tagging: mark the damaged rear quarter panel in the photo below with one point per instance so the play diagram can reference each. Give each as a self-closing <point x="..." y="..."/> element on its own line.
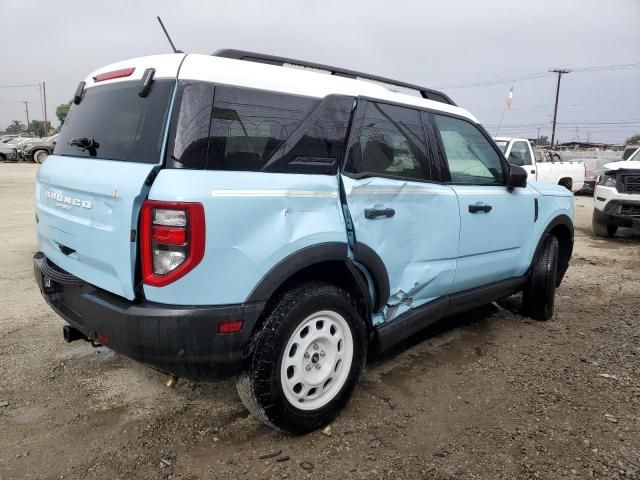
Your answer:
<point x="253" y="221"/>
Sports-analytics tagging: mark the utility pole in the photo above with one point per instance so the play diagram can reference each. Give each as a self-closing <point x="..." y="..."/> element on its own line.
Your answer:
<point x="559" y="71"/>
<point x="44" y="94"/>
<point x="26" y="109"/>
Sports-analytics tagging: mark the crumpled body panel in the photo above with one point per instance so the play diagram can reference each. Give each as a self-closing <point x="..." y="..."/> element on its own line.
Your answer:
<point x="418" y="243"/>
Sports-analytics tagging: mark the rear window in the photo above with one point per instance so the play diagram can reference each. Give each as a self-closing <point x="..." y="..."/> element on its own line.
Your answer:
<point x="125" y="126"/>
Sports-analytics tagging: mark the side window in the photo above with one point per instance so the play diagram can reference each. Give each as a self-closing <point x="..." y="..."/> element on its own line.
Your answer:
<point x="190" y="133"/>
<point x="520" y="154"/>
<point x="316" y="146"/>
<point x="391" y="142"/>
<point x="471" y="157"/>
<point x="249" y="126"/>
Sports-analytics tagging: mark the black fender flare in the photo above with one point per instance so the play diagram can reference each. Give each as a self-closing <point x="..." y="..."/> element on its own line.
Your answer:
<point x="564" y="220"/>
<point x="367" y="257"/>
<point x="298" y="261"/>
<point x="325" y="252"/>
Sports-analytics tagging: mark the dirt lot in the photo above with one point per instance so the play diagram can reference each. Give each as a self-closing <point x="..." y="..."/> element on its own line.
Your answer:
<point x="485" y="395"/>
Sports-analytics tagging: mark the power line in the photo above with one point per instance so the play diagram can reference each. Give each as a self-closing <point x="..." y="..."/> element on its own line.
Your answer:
<point x="15" y="101"/>
<point x="600" y="68"/>
<point x="534" y="76"/>
<point x="20" y="86"/>
<point x="486" y="83"/>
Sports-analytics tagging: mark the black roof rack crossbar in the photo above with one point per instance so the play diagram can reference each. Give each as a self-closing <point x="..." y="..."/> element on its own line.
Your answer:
<point x="427" y="93"/>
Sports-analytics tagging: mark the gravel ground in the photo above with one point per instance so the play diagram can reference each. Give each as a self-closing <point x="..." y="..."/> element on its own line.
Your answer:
<point x="487" y="394"/>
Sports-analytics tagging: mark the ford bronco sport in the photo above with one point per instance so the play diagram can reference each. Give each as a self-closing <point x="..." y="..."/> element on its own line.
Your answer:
<point x="251" y="215"/>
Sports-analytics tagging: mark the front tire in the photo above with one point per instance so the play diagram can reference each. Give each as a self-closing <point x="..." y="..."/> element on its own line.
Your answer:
<point x="602" y="229"/>
<point x="538" y="297"/>
<point x="306" y="360"/>
<point x="40" y="155"/>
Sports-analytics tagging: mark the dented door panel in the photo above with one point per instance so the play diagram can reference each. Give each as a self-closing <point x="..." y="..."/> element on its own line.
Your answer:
<point x="418" y="244"/>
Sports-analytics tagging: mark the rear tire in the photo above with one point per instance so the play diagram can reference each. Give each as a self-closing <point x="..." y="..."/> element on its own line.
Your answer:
<point x="306" y="360"/>
<point x="538" y="297"/>
<point x="602" y="229"/>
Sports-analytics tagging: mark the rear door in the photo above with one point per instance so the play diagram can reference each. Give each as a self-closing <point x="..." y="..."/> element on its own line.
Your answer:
<point x="398" y="208"/>
<point x="88" y="193"/>
<point x="495" y="222"/>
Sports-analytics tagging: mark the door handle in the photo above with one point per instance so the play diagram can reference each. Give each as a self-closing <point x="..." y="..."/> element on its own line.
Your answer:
<point x="479" y="207"/>
<point x="533" y="171"/>
<point x="379" y="212"/>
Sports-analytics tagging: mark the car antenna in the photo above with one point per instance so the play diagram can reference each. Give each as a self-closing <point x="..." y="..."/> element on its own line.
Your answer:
<point x="175" y="50"/>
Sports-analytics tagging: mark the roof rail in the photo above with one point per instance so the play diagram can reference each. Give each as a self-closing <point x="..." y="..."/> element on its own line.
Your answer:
<point x="427" y="93"/>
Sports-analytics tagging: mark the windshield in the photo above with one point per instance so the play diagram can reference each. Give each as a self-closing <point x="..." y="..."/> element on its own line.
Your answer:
<point x="629" y="152"/>
<point x="113" y="122"/>
<point x="635" y="156"/>
<point x="502" y="145"/>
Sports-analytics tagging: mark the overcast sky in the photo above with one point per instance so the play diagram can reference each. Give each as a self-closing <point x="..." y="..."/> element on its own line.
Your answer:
<point x="433" y="43"/>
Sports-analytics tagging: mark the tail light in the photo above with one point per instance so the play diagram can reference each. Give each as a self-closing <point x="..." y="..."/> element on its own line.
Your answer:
<point x="172" y="239"/>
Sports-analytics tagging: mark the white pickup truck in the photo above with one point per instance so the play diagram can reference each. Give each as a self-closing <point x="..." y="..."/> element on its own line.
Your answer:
<point x="550" y="170"/>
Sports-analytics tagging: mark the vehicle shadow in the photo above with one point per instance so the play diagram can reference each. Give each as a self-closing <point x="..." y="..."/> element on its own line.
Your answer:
<point x="478" y="318"/>
<point x="624" y="236"/>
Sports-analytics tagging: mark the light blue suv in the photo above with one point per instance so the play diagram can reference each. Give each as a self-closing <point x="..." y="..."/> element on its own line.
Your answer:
<point x="253" y="215"/>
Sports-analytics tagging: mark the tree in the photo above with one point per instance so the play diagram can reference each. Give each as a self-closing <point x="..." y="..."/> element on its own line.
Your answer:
<point x="632" y="139"/>
<point x="62" y="111"/>
<point x="37" y="128"/>
<point x="16" y="128"/>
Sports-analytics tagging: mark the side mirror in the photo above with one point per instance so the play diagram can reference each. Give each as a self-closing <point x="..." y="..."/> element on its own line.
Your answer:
<point x="517" y="177"/>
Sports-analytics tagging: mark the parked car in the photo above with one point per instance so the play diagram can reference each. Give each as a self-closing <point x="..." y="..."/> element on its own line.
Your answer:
<point x="549" y="169"/>
<point x="8" y="151"/>
<point x="282" y="225"/>
<point x="20" y="143"/>
<point x="38" y="149"/>
<point x="616" y="201"/>
<point x="10" y="147"/>
<point x="590" y="179"/>
<point x="594" y="168"/>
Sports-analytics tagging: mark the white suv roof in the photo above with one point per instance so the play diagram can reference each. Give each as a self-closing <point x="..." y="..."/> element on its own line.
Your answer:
<point x="276" y="78"/>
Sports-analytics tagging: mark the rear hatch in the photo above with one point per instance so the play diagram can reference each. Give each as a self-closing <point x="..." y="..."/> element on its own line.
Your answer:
<point x="89" y="192"/>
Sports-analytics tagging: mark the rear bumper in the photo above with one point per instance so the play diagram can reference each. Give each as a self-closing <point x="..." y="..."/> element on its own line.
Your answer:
<point x="173" y="339"/>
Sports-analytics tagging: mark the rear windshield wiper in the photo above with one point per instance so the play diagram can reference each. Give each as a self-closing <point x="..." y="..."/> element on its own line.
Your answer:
<point x="86" y="144"/>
